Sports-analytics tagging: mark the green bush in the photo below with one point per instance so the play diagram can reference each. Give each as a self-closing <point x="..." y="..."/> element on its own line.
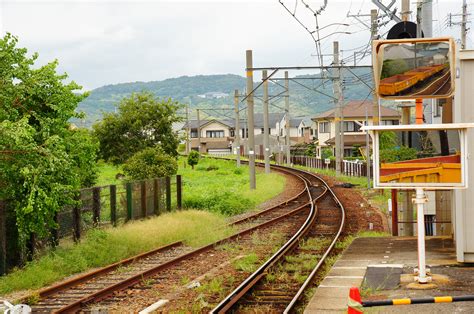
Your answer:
<point x="193" y="158"/>
<point x="397" y="154"/>
<point x="151" y="162"/>
<point x="238" y="171"/>
<point x="212" y="167"/>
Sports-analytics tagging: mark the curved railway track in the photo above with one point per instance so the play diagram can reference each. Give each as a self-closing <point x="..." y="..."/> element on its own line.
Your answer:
<point x="274" y="287"/>
<point x="76" y="293"/>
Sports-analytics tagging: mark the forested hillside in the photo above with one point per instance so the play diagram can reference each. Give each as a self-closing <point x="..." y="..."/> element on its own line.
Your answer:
<point x="208" y="91"/>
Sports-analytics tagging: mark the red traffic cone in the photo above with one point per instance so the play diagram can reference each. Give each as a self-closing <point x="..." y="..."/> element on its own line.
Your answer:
<point x="354" y="305"/>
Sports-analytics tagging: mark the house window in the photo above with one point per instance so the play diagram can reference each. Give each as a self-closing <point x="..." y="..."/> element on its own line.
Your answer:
<point x="213" y="133"/>
<point x="347" y="152"/>
<point x="437" y="107"/>
<point x="194" y="133"/>
<point x="232" y="132"/>
<point x="262" y="130"/>
<point x="389" y="122"/>
<point x="351" y="126"/>
<point x="323" y="127"/>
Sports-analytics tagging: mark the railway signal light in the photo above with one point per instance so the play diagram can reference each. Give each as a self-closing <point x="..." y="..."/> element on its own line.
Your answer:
<point x="414" y="68"/>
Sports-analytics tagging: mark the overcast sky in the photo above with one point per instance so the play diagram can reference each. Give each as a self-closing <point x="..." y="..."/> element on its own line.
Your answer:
<point x="106" y="42"/>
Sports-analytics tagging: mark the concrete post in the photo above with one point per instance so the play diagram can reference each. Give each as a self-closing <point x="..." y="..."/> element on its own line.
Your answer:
<point x="237" y="127"/>
<point x="266" y="148"/>
<point x="199" y="130"/>
<point x="250" y="117"/>
<point x="338" y="113"/>
<point x="375" y="103"/>
<point x="287" y="118"/>
<point x="188" y="128"/>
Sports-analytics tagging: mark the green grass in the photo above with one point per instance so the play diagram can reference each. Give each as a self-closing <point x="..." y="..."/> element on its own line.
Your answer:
<point x="219" y="186"/>
<point x="247" y="264"/>
<point x="101" y="247"/>
<point x="107" y="173"/>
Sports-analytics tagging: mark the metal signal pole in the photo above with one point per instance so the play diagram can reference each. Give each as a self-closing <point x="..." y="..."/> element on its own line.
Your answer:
<point x="237" y="126"/>
<point x="287" y="118"/>
<point x="250" y="117"/>
<point x="266" y="148"/>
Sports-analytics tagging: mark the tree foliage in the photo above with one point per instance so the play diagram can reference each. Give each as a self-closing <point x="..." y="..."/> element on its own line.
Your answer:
<point x="141" y="121"/>
<point x="152" y="162"/>
<point x="41" y="158"/>
<point x="193" y="158"/>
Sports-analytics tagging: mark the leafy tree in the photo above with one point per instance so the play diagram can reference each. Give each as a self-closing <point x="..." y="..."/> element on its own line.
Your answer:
<point x="326" y="153"/>
<point x="141" y="121"/>
<point x="152" y="162"/>
<point x="193" y="158"/>
<point x="393" y="67"/>
<point x="41" y="158"/>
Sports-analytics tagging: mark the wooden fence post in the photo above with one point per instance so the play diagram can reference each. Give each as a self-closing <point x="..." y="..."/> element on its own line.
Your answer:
<point x="143" y="197"/>
<point x="96" y="205"/>
<point x="55" y="232"/>
<point x="113" y="205"/>
<point x="179" y="200"/>
<point x="129" y="202"/>
<point x="168" y="193"/>
<point x="3" y="237"/>
<point x="76" y="219"/>
<point x="156" y="196"/>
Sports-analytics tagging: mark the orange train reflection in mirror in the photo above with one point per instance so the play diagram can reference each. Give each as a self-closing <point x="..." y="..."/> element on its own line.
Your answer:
<point x="442" y="169"/>
<point x="436" y="78"/>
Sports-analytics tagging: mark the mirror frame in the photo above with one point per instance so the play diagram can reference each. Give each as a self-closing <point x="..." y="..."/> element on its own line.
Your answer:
<point x="377" y="63"/>
<point x="375" y="131"/>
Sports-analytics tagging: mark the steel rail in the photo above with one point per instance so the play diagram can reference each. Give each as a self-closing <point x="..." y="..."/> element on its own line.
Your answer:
<point x="107" y="291"/>
<point x="43" y="293"/>
<point x="323" y="258"/>
<point x="250" y="281"/>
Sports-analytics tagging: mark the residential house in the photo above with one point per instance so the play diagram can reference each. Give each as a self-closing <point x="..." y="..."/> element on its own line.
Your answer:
<point x="354" y="117"/>
<point x="216" y="135"/>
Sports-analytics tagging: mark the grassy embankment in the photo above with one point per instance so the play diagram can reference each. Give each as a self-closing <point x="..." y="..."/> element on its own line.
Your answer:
<point x="215" y="187"/>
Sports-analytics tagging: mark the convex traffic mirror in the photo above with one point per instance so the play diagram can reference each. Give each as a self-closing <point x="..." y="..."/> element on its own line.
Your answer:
<point x="414" y="68"/>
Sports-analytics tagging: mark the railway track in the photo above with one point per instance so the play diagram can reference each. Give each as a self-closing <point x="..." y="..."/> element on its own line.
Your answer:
<point x="75" y="294"/>
<point x="280" y="282"/>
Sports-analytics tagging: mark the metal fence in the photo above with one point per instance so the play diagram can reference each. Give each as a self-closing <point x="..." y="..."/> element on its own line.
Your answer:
<point x="353" y="168"/>
<point x="94" y="207"/>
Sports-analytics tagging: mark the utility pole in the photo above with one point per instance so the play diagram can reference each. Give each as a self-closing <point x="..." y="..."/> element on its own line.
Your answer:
<point x="188" y="127"/>
<point x="287" y="118"/>
<point x="251" y="135"/>
<point x="266" y="148"/>
<point x="375" y="104"/>
<point x="463" y="24"/>
<point x="405" y="10"/>
<point x="338" y="112"/>
<point x="237" y="127"/>
<point x="199" y="131"/>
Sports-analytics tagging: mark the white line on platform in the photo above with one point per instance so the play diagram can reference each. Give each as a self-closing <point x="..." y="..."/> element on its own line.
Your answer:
<point x="153" y="307"/>
<point x="324" y="286"/>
